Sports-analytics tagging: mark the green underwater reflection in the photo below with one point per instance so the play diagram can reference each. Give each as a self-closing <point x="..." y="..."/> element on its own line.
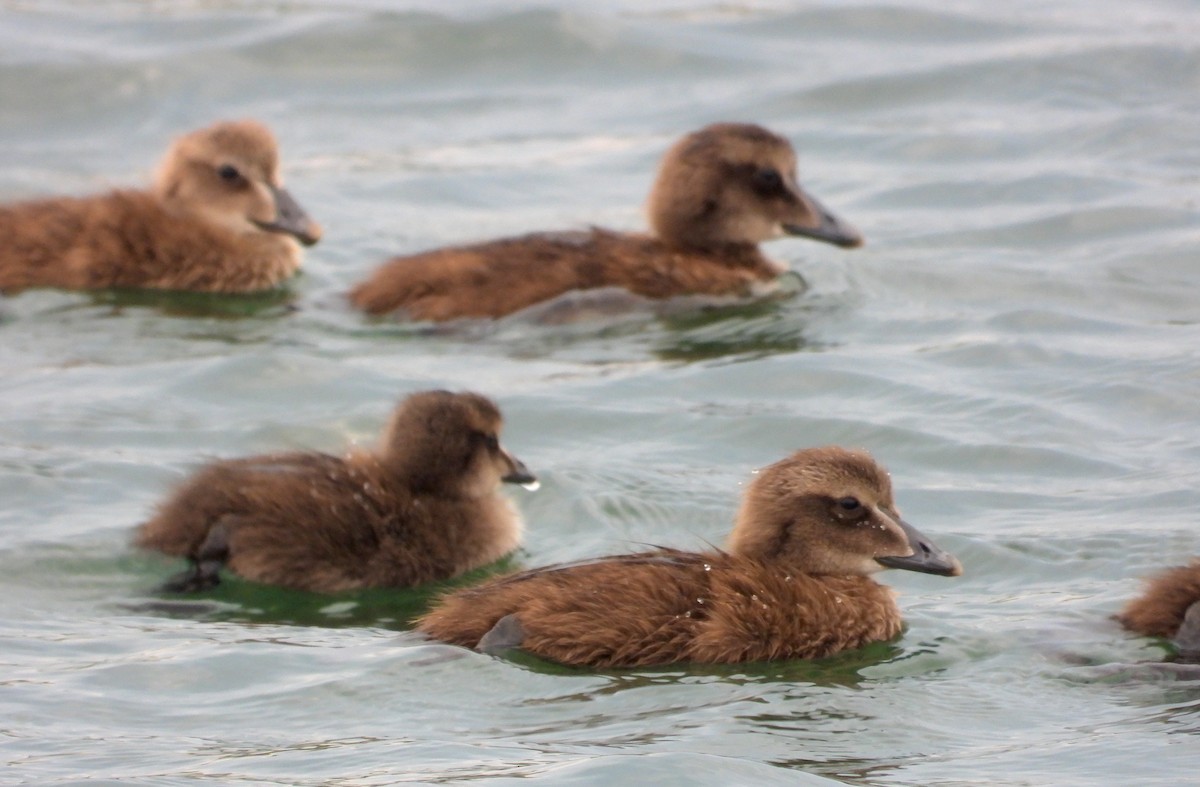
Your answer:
<point x="176" y="303"/>
<point x="236" y="600"/>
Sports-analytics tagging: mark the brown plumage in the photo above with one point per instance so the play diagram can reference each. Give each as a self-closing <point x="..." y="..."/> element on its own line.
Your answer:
<point x="217" y="219"/>
<point x="793" y="583"/>
<point x="1169" y="607"/>
<point x="720" y="192"/>
<point x="423" y="507"/>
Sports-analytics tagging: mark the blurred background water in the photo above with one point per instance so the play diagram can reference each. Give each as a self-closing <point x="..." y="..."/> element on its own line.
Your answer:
<point x="1017" y="343"/>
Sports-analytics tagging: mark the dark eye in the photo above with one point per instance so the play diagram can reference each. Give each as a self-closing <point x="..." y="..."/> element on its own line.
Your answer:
<point x="849" y="504"/>
<point x="492" y="442"/>
<point x="768" y="181"/>
<point x="228" y="172"/>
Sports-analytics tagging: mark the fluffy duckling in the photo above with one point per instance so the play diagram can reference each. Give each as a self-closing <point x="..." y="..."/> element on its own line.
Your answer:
<point x="794" y="582"/>
<point x="217" y="219"/>
<point x="1169" y="607"/>
<point x="423" y="507"/>
<point x="720" y="192"/>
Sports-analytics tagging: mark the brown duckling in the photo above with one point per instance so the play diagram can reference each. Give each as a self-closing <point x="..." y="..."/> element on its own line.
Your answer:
<point x="1169" y="607"/>
<point x="217" y="219"/>
<point x="720" y="192"/>
<point x="794" y="582"/>
<point x="424" y="506"/>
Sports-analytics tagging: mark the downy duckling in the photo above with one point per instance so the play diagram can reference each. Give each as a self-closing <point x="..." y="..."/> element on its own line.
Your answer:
<point x="1169" y="607"/>
<point x="793" y="583"/>
<point x="720" y="192"/>
<point x="424" y="506"/>
<point x="217" y="219"/>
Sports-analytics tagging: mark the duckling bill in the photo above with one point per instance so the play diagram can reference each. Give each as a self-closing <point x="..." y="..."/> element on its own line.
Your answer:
<point x="794" y="582"/>
<point x="424" y="506"/>
<point x="720" y="192"/>
<point x="217" y="219"/>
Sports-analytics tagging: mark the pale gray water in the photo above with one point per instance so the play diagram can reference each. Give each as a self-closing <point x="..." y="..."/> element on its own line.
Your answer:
<point x="1017" y="342"/>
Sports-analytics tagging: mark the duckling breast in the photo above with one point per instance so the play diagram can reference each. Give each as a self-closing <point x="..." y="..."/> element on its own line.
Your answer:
<point x="760" y="614"/>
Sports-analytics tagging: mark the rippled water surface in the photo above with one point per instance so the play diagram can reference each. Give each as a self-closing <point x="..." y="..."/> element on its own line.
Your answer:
<point x="1018" y="342"/>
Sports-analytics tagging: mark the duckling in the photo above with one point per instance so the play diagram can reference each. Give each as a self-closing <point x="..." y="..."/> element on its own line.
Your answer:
<point x="216" y="219"/>
<point x="720" y="192"/>
<point x="1169" y="607"/>
<point x="424" y="506"/>
<point x="794" y="582"/>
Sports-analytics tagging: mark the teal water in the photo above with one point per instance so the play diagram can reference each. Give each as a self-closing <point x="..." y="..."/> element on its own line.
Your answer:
<point x="1017" y="343"/>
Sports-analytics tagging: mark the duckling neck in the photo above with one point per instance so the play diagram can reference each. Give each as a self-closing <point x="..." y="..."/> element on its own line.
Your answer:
<point x="706" y="246"/>
<point x="180" y="249"/>
<point x="455" y="528"/>
<point x="660" y="268"/>
<point x="744" y="260"/>
<point x="417" y="477"/>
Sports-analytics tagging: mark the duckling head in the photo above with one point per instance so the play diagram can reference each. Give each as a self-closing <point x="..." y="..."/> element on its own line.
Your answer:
<point x="229" y="174"/>
<point x="830" y="511"/>
<point x="448" y="444"/>
<point x="735" y="184"/>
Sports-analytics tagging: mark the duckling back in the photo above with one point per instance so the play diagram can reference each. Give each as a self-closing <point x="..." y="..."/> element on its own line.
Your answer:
<point x="491" y="280"/>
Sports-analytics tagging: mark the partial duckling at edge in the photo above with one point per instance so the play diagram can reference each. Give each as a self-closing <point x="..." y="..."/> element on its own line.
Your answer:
<point x="1169" y="607"/>
<point x="794" y="582"/>
<point x="720" y="192"/>
<point x="424" y="506"/>
<point x="217" y="219"/>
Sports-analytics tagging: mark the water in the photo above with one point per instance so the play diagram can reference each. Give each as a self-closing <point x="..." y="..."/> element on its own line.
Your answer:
<point x="1017" y="342"/>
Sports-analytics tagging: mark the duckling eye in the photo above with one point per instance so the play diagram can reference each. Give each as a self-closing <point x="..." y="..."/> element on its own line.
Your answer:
<point x="849" y="504"/>
<point x="228" y="173"/>
<point x="768" y="181"/>
<point x="492" y="442"/>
